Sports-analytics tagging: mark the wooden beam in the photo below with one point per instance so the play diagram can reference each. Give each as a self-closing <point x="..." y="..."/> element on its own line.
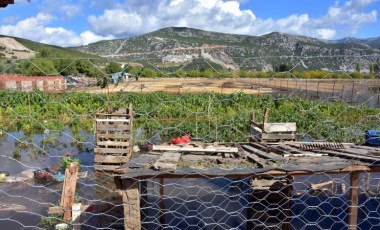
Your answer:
<point x="167" y="161"/>
<point x="68" y="190"/>
<point x="131" y="205"/>
<point x="189" y="148"/>
<point x="266" y="115"/>
<point x="113" y="143"/>
<point x="262" y="154"/>
<point x="110" y="150"/>
<point x="279" y="127"/>
<point x="349" y="155"/>
<point x="354" y="201"/>
<point x="162" y="204"/>
<point x="105" y="167"/>
<point x="111" y="159"/>
<point x="288" y="204"/>
<point x="114" y="136"/>
<point x="112" y="127"/>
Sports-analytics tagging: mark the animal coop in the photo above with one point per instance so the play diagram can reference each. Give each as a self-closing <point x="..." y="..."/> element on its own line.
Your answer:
<point x="282" y="185"/>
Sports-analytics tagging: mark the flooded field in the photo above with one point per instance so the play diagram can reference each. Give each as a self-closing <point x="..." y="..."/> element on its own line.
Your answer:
<point x="207" y="203"/>
<point x="24" y="202"/>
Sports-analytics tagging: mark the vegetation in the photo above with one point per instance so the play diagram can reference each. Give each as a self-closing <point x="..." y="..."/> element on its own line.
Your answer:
<point x="66" y="161"/>
<point x="212" y="117"/>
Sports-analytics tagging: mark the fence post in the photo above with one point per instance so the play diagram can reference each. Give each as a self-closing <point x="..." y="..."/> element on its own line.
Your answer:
<point x="288" y="204"/>
<point x="354" y="194"/>
<point x="162" y="204"/>
<point x="318" y="88"/>
<point x="352" y="92"/>
<point x="334" y="88"/>
<point x="131" y="204"/>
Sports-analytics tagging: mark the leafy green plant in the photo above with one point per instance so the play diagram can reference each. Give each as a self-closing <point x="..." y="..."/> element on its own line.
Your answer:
<point x="66" y="161"/>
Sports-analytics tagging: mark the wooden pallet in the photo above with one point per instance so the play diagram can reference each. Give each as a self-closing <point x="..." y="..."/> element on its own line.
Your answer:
<point x="113" y="138"/>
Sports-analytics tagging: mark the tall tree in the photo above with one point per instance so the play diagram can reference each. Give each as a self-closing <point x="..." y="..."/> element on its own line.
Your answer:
<point x="113" y="67"/>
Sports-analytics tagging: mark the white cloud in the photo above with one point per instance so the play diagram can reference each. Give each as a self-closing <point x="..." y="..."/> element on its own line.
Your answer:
<point x="124" y="18"/>
<point x="138" y="17"/>
<point x="67" y="9"/>
<point x="326" y="33"/>
<point x="36" y="29"/>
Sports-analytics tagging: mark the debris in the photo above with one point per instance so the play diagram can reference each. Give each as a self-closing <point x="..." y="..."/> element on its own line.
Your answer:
<point x="43" y="176"/>
<point x="136" y="149"/>
<point x="181" y="140"/>
<point x="61" y="226"/>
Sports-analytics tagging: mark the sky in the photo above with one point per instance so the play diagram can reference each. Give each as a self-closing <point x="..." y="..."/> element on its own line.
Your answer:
<point x="73" y="23"/>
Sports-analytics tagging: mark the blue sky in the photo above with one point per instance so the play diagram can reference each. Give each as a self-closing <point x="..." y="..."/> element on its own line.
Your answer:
<point x="74" y="23"/>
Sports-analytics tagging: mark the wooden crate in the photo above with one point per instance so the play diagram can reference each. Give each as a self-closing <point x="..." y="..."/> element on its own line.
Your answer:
<point x="113" y="138"/>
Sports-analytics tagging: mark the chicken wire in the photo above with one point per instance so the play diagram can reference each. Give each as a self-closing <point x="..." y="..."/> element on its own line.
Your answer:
<point x="184" y="202"/>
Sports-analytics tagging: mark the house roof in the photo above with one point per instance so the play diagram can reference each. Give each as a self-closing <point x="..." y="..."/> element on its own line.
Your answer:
<point x="257" y="158"/>
<point x="12" y="77"/>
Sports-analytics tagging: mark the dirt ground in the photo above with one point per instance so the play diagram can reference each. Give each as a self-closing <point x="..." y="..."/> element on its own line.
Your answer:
<point x="183" y="85"/>
<point x="248" y="86"/>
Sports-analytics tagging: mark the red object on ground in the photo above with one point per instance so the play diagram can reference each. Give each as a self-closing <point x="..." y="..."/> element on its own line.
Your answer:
<point x="180" y="140"/>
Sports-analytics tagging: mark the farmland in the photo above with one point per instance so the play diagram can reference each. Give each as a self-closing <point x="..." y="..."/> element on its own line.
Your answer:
<point x="209" y="116"/>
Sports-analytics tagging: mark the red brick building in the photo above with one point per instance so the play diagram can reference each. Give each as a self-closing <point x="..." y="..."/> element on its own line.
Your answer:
<point x="29" y="83"/>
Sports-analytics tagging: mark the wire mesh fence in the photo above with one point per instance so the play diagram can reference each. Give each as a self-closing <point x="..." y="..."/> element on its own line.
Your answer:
<point x="286" y="142"/>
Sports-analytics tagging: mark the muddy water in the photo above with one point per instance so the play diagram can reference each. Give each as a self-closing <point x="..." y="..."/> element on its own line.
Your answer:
<point x="23" y="202"/>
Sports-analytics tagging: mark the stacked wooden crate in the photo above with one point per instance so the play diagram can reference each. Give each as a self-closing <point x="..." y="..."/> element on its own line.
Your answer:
<point x="113" y="136"/>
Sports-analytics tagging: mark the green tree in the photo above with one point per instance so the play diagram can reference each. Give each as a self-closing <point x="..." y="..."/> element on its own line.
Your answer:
<point x="358" y="67"/>
<point x="37" y="67"/>
<point x="87" y="68"/>
<point x="65" y="67"/>
<point x="113" y="67"/>
<point x="147" y="72"/>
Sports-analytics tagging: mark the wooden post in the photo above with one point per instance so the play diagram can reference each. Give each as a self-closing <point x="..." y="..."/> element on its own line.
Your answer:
<point x="131" y="205"/>
<point x="68" y="190"/>
<point x="334" y="88"/>
<point x="288" y="204"/>
<point x="352" y="92"/>
<point x="318" y="89"/>
<point x="162" y="203"/>
<point x="354" y="193"/>
<point x="266" y="113"/>
<point x="77" y="216"/>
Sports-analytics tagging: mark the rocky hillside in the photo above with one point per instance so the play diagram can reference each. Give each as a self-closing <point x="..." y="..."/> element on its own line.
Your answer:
<point x="179" y="46"/>
<point x="19" y="48"/>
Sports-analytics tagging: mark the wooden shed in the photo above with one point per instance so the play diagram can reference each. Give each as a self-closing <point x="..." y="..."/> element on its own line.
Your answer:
<point x="264" y="176"/>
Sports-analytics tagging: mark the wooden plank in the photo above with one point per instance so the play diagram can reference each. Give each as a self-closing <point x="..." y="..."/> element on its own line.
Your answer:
<point x="113" y="127"/>
<point x="110" y="159"/>
<point x="271" y="156"/>
<point x="354" y="201"/>
<point x="109" y="168"/>
<point x="126" y="115"/>
<point x="68" y="190"/>
<point x="113" y="143"/>
<point x="167" y="161"/>
<point x="349" y="155"/>
<point x="278" y="136"/>
<point x="112" y="120"/>
<point x="189" y="148"/>
<point x="114" y="136"/>
<point x="110" y="151"/>
<point x="131" y="205"/>
<point x="323" y="185"/>
<point x="266" y="115"/>
<point x="279" y="127"/>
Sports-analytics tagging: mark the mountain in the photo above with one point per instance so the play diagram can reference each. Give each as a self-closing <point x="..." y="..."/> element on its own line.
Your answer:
<point x="19" y="48"/>
<point x="193" y="48"/>
<point x="372" y="42"/>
